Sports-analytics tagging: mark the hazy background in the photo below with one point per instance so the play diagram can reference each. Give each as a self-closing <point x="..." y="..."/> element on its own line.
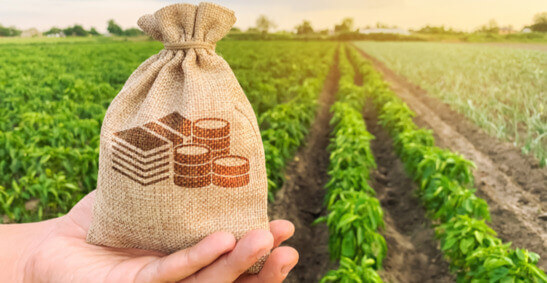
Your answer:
<point x="464" y="15"/>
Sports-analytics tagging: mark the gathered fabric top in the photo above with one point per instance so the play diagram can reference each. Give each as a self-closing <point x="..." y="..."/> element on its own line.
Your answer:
<point x="186" y="26"/>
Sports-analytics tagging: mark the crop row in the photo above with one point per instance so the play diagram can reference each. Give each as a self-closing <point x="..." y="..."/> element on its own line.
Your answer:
<point x="54" y="97"/>
<point x="355" y="215"/>
<point x="272" y="73"/>
<point x="284" y="127"/>
<point x="481" y="83"/>
<point x="446" y="190"/>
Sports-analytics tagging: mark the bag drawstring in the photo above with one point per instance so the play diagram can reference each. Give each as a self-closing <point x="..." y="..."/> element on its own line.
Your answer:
<point x="188" y="45"/>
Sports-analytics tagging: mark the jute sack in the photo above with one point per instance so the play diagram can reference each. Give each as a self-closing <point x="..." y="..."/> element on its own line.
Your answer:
<point x="181" y="154"/>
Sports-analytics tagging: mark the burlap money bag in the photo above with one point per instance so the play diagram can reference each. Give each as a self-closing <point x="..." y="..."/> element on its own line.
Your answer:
<point x="181" y="154"/>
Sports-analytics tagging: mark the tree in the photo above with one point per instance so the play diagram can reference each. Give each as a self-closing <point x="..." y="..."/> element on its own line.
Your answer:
<point x="76" y="30"/>
<point x="345" y="26"/>
<point x="381" y="25"/>
<point x="437" y="30"/>
<point x="132" y="32"/>
<point x="263" y="24"/>
<point x="53" y="30"/>
<point x="9" y="31"/>
<point x="323" y="32"/>
<point x="94" y="32"/>
<point x="491" y="27"/>
<point x="304" y="28"/>
<point x="235" y="29"/>
<point x="114" y="28"/>
<point x="540" y="22"/>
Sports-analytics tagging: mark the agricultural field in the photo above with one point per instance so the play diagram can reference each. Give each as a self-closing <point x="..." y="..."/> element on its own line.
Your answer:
<point x="54" y="106"/>
<point x="501" y="89"/>
<point x="380" y="177"/>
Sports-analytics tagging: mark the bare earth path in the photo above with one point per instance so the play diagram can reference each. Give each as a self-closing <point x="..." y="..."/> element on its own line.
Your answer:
<point x="413" y="254"/>
<point x="301" y="198"/>
<point x="513" y="185"/>
<point x="411" y="243"/>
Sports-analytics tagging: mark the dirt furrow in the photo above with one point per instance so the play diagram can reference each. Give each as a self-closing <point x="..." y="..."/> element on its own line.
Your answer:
<point x="413" y="254"/>
<point x="301" y="198"/>
<point x="409" y="235"/>
<point x="515" y="210"/>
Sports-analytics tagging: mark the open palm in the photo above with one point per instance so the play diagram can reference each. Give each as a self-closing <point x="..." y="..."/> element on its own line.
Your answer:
<point x="61" y="254"/>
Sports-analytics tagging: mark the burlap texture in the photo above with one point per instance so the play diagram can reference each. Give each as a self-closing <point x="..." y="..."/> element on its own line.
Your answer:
<point x="181" y="154"/>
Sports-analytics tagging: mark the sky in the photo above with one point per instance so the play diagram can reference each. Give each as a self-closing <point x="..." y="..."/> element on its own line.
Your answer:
<point x="463" y="15"/>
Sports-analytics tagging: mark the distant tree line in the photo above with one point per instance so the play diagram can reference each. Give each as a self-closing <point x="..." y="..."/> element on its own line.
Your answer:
<point x="9" y="31"/>
<point x="347" y="26"/>
<point x="76" y="30"/>
<point x="344" y="30"/>
<point x="115" y="29"/>
<point x="540" y="22"/>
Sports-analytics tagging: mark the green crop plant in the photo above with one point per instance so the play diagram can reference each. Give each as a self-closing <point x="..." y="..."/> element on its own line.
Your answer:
<point x="355" y="215"/>
<point x="54" y="95"/>
<point x="502" y="90"/>
<point x="445" y="179"/>
<point x="350" y="153"/>
<point x="501" y="264"/>
<point x="353" y="221"/>
<point x="445" y="198"/>
<point x="462" y="235"/>
<point x="285" y="125"/>
<point x="353" y="272"/>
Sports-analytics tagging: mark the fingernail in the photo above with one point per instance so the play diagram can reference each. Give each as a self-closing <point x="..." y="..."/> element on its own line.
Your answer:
<point x="262" y="253"/>
<point x="286" y="269"/>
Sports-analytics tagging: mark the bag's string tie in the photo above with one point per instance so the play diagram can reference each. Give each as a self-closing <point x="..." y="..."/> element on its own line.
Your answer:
<point x="188" y="45"/>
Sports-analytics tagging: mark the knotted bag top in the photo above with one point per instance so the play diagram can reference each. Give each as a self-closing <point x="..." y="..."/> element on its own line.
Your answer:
<point x="185" y="26"/>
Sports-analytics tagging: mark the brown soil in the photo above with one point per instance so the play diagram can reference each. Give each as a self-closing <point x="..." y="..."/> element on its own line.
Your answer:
<point x="413" y="253"/>
<point x="513" y="184"/>
<point x="409" y="235"/>
<point x="301" y="198"/>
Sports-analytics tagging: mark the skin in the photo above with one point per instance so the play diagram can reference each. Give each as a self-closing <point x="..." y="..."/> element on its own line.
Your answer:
<point x="56" y="251"/>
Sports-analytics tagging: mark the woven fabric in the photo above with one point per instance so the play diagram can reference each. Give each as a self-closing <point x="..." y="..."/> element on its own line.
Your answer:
<point x="181" y="154"/>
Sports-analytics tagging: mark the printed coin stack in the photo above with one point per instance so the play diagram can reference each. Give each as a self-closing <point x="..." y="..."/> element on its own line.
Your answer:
<point x="140" y="156"/>
<point x="213" y="132"/>
<point x="230" y="171"/>
<point x="192" y="166"/>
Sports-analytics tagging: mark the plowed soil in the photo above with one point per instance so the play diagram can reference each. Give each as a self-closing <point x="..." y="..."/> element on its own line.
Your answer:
<point x="413" y="254"/>
<point x="409" y="235"/>
<point x="300" y="200"/>
<point x="513" y="184"/>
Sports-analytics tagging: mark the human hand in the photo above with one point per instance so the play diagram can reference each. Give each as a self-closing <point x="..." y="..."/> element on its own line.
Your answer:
<point x="56" y="251"/>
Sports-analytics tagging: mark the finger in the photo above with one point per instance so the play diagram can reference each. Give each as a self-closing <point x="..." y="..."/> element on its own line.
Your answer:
<point x="80" y="214"/>
<point x="277" y="267"/>
<point x="254" y="245"/>
<point x="281" y="230"/>
<point x="184" y="263"/>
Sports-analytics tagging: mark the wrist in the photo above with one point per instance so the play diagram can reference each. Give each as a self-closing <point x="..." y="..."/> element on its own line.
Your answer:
<point x="17" y="243"/>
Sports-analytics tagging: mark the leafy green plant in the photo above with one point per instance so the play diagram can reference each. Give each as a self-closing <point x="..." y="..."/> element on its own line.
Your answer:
<point x="355" y="215"/>
<point x="353" y="221"/>
<point x="447" y="199"/>
<point x="353" y="272"/>
<point x="54" y="97"/>
<point x="479" y="82"/>
<point x="462" y="235"/>
<point x="284" y="127"/>
<point x="445" y="179"/>
<point x="502" y="264"/>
